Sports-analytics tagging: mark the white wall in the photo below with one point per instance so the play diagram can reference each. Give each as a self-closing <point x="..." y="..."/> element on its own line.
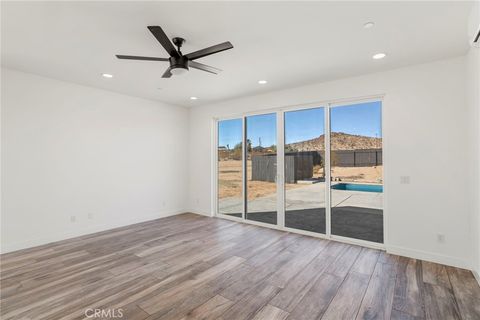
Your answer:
<point x="473" y="100"/>
<point x="70" y="150"/>
<point x="425" y="114"/>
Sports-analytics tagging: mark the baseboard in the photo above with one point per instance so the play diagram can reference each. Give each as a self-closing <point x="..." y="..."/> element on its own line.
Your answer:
<point x="200" y="213"/>
<point x="82" y="232"/>
<point x="428" y="256"/>
<point x="477" y="276"/>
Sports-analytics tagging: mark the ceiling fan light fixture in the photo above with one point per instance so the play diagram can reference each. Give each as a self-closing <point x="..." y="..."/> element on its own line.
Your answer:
<point x="178" y="71"/>
<point x="107" y="75"/>
<point x="193" y="98"/>
<point x="262" y="81"/>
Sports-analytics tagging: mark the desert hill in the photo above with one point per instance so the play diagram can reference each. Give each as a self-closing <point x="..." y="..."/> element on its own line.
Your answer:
<point x="339" y="141"/>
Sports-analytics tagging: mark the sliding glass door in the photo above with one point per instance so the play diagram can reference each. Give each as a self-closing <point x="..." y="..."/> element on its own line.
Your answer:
<point x="261" y="164"/>
<point x="317" y="170"/>
<point x="230" y="167"/>
<point x="304" y="158"/>
<point x="356" y="170"/>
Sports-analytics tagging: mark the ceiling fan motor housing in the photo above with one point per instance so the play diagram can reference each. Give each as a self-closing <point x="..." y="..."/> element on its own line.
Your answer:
<point x="179" y="62"/>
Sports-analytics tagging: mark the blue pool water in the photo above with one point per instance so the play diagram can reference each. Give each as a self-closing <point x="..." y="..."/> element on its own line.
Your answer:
<point x="358" y="187"/>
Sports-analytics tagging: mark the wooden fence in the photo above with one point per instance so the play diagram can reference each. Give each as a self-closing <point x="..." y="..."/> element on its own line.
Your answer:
<point x="356" y="158"/>
<point x="299" y="165"/>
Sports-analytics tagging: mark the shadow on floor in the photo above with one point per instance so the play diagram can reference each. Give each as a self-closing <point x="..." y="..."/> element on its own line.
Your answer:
<point x="353" y="222"/>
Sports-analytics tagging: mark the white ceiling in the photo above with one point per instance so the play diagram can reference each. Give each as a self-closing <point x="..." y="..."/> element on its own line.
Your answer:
<point x="287" y="43"/>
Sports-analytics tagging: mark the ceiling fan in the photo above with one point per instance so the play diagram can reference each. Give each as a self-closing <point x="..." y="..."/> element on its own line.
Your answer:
<point x="179" y="63"/>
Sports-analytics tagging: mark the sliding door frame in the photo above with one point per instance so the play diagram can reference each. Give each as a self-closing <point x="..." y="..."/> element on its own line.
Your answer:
<point x="325" y="235"/>
<point x="280" y="121"/>
<point x="340" y="104"/>
<point x="280" y="169"/>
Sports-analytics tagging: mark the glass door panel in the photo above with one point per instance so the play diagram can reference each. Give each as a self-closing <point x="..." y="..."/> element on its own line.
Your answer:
<point x="261" y="157"/>
<point x="230" y="168"/>
<point x="357" y="171"/>
<point x="305" y="169"/>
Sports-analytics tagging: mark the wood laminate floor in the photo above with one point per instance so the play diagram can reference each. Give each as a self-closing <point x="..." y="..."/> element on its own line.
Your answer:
<point x="194" y="267"/>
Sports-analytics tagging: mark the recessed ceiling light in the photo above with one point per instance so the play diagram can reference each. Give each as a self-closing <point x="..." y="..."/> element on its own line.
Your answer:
<point x="193" y="98"/>
<point x="107" y="75"/>
<point x="379" y="56"/>
<point x="368" y="25"/>
<point x="262" y="81"/>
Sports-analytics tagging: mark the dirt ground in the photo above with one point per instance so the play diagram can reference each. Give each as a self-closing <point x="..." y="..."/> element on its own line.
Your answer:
<point x="230" y="179"/>
<point x="358" y="174"/>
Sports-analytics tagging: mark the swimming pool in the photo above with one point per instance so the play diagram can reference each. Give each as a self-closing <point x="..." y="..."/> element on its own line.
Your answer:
<point x="358" y="187"/>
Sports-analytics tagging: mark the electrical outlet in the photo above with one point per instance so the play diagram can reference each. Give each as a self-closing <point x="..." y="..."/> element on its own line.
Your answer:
<point x="440" y="238"/>
<point x="404" y="179"/>
<point x="73" y="219"/>
<point x="197" y="201"/>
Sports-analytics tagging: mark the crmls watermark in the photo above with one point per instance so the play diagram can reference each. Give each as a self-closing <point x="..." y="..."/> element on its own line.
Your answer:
<point x="104" y="313"/>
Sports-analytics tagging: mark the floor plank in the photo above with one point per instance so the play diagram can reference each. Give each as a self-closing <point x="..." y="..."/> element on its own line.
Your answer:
<point x="317" y="299"/>
<point x="466" y="291"/>
<point x="346" y="302"/>
<point x="297" y="288"/>
<point x="251" y="303"/>
<point x="210" y="310"/>
<point x="378" y="299"/>
<point x="434" y="273"/>
<point x="304" y="255"/>
<point x="344" y="262"/>
<point x="366" y="261"/>
<point x="172" y="295"/>
<point x="408" y="293"/>
<point x="440" y="303"/>
<point x="399" y="315"/>
<point x="270" y="312"/>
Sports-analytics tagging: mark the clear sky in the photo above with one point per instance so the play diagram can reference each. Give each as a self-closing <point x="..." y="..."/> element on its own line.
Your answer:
<point x="229" y="132"/>
<point x="360" y="119"/>
<point x="262" y="127"/>
<point x="304" y="124"/>
<point x="363" y="119"/>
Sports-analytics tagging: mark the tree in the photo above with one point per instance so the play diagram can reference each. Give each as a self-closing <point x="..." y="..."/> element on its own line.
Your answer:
<point x="237" y="151"/>
<point x="290" y="148"/>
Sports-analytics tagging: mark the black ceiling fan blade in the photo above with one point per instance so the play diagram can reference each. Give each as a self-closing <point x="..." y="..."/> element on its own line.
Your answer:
<point x="210" y="50"/>
<point x="167" y="73"/>
<point x="203" y="67"/>
<point x="164" y="40"/>
<point x="119" y="56"/>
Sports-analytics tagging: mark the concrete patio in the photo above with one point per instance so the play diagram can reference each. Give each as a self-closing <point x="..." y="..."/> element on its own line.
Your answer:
<point x="355" y="214"/>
